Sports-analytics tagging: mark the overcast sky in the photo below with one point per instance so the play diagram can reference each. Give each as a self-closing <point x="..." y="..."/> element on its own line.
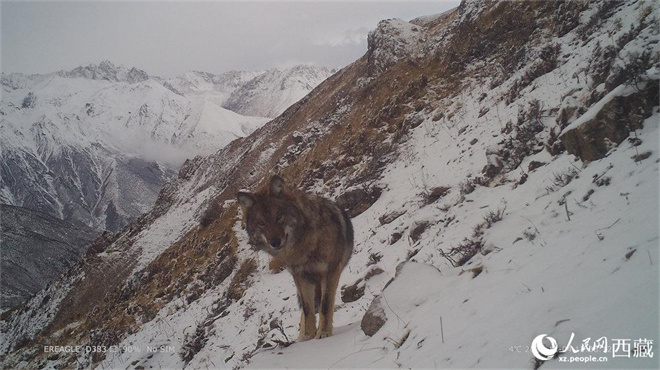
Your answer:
<point x="169" y="38"/>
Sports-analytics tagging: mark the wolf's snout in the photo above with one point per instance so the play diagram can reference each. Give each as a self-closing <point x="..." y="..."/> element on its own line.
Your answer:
<point x="276" y="243"/>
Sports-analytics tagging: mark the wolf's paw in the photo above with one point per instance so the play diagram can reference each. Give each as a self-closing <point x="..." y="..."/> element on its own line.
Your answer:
<point x="304" y="337"/>
<point x="323" y="334"/>
<point x="276" y="266"/>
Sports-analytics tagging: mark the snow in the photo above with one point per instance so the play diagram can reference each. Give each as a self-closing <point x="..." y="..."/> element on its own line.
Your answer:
<point x="167" y="229"/>
<point x="131" y="116"/>
<point x="41" y="311"/>
<point x="526" y="287"/>
<point x="121" y="116"/>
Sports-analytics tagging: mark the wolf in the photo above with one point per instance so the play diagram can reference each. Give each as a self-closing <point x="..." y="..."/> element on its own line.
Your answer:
<point x="308" y="235"/>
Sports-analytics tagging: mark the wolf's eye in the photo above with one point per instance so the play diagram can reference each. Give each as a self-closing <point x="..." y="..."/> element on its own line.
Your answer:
<point x="279" y="217"/>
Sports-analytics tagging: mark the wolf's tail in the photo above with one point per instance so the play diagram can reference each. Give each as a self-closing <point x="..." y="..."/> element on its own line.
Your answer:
<point x="348" y="233"/>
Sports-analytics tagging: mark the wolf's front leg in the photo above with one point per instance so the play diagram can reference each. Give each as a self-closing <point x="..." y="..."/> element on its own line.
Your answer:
<point x="306" y="291"/>
<point x="329" y="285"/>
<point x="301" y="331"/>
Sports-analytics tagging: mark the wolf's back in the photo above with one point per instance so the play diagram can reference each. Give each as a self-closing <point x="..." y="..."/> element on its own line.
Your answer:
<point x="327" y="213"/>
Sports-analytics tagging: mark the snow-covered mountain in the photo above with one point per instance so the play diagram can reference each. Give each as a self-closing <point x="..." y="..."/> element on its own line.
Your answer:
<point x="501" y="172"/>
<point x="106" y="71"/>
<point x="270" y="93"/>
<point x="199" y="83"/>
<point x="95" y="144"/>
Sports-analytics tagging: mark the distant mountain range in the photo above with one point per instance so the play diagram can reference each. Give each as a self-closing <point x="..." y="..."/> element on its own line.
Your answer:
<point x="96" y="143"/>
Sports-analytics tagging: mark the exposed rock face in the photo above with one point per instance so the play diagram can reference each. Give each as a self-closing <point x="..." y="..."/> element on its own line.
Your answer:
<point x="393" y="41"/>
<point x="29" y="101"/>
<point x="358" y="200"/>
<point x="611" y="123"/>
<point x="36" y="248"/>
<point x="79" y="185"/>
<point x="374" y="318"/>
<point x="106" y="70"/>
<point x="136" y="75"/>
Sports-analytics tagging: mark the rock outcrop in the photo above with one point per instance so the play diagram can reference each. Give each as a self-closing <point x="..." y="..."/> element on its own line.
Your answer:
<point x="609" y="122"/>
<point x="392" y="41"/>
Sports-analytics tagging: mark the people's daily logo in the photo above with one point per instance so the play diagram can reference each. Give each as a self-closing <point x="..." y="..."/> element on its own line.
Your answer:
<point x="600" y="349"/>
<point x="539" y="349"/>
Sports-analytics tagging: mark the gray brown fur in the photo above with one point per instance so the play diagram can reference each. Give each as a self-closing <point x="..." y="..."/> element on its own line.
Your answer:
<point x="311" y="237"/>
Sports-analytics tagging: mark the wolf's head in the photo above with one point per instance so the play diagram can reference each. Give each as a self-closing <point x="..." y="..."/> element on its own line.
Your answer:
<point x="273" y="220"/>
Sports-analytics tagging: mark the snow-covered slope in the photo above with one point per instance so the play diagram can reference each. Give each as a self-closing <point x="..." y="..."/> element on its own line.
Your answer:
<point x="270" y="93"/>
<point x="476" y="229"/>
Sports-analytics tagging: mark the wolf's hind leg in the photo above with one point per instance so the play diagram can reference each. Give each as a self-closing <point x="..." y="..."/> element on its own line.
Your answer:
<point x="329" y="285"/>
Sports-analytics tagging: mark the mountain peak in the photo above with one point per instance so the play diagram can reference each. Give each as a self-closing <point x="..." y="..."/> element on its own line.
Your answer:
<point x="106" y="70"/>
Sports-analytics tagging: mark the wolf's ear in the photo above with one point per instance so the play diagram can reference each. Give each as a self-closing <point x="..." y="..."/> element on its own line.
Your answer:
<point x="245" y="199"/>
<point x="276" y="186"/>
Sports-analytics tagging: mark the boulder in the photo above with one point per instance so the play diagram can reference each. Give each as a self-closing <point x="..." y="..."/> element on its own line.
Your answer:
<point x="356" y="201"/>
<point x="495" y="163"/>
<point x="391" y="42"/>
<point x="607" y="123"/>
<point x="387" y="218"/>
<point x="351" y="293"/>
<point x="374" y="318"/>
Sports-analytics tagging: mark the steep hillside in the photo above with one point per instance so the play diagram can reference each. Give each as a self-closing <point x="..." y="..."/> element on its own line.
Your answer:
<point x="36" y="248"/>
<point x="449" y="143"/>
